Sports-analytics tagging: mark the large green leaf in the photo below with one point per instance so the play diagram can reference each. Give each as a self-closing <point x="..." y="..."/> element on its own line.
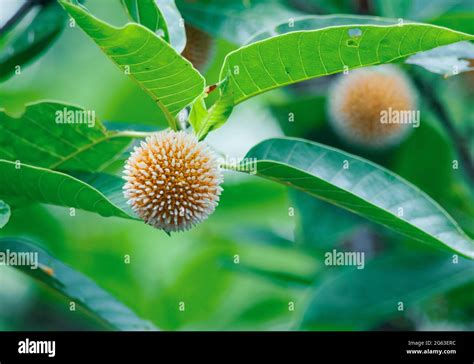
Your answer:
<point x="161" y="17"/>
<point x="24" y="43"/>
<point x="302" y="55"/>
<point x="361" y="298"/>
<point x="235" y="20"/>
<point x="360" y="186"/>
<point x="167" y="77"/>
<point x="75" y="287"/>
<point x="60" y="136"/>
<point x="4" y="213"/>
<point x="36" y="184"/>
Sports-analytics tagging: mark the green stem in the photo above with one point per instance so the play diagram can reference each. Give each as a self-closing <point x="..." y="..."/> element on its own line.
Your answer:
<point x="460" y="142"/>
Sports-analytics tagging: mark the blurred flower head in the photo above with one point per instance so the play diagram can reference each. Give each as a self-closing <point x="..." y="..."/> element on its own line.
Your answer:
<point x="373" y="107"/>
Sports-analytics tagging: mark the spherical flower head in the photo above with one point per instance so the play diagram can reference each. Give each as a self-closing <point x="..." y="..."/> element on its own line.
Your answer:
<point x="199" y="48"/>
<point x="358" y="101"/>
<point x="173" y="181"/>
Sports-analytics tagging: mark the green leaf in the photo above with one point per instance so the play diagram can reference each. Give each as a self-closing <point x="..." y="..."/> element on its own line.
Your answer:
<point x="160" y="16"/>
<point x="24" y="43"/>
<point x="360" y="186"/>
<point x="76" y="287"/>
<point x="204" y="121"/>
<point x="235" y="20"/>
<point x="302" y="55"/>
<point x="361" y="298"/>
<point x="60" y="136"/>
<point x="109" y="185"/>
<point x="4" y="213"/>
<point x="448" y="60"/>
<point x="168" y="78"/>
<point x="46" y="186"/>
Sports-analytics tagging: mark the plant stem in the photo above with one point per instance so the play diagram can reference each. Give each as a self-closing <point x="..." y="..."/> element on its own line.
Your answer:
<point x="460" y="143"/>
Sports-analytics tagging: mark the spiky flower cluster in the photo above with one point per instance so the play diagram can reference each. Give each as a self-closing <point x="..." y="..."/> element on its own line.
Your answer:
<point x="357" y="100"/>
<point x="199" y="48"/>
<point x="173" y="181"/>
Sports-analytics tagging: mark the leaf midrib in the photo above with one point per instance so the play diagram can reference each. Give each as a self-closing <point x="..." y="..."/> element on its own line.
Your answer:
<point x="362" y="199"/>
<point x="257" y="44"/>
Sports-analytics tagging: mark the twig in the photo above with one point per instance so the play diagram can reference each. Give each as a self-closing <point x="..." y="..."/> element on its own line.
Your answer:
<point x="460" y="143"/>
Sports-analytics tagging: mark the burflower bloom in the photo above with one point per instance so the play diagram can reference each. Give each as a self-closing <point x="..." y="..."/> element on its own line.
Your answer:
<point x="371" y="107"/>
<point x="173" y="181"/>
<point x="199" y="48"/>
